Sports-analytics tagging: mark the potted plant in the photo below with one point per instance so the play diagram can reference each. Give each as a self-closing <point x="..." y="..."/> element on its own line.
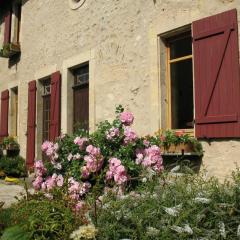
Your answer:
<point x="179" y="142"/>
<point x="11" y="146"/>
<point x="9" y="49"/>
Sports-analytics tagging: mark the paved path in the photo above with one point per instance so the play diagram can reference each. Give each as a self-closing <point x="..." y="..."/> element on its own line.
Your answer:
<point x="8" y="193"/>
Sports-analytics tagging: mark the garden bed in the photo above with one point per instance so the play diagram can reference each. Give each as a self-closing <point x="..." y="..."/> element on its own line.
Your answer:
<point x="86" y="173"/>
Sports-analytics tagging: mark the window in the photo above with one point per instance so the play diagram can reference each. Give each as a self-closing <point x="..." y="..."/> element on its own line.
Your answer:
<point x="180" y="81"/>
<point x="46" y="102"/>
<point x="81" y="97"/>
<point x="12" y="20"/>
<point x="216" y="85"/>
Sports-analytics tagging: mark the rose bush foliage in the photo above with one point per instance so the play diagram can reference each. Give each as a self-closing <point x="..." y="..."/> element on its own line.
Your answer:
<point x="112" y="156"/>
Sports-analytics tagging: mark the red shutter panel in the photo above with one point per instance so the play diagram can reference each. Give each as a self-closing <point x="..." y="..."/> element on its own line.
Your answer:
<point x="7" y="30"/>
<point x="31" y="123"/>
<point x="4" y="114"/>
<point x="216" y="75"/>
<point x="55" y="106"/>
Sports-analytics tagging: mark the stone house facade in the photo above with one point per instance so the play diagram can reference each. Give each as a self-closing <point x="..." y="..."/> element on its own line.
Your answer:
<point x="161" y="59"/>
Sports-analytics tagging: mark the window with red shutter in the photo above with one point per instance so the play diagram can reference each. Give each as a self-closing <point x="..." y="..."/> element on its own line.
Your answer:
<point x="216" y="76"/>
<point x="4" y="114"/>
<point x="55" y="106"/>
<point x="31" y="123"/>
<point x="12" y="19"/>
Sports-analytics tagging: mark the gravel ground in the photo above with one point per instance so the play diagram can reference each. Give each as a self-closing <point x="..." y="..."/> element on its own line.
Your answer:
<point x="8" y="192"/>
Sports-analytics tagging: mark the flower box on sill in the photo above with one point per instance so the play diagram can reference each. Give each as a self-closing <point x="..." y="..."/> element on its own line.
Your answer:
<point x="181" y="149"/>
<point x="9" y="50"/>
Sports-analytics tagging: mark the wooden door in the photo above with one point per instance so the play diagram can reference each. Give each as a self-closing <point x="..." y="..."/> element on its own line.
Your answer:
<point x="81" y="107"/>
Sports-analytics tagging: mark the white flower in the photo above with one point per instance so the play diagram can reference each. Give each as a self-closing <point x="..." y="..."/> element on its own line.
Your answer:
<point x="77" y="156"/>
<point x="144" y="180"/>
<point x="188" y="229"/>
<point x="238" y="231"/>
<point x="177" y="229"/>
<point x="185" y="229"/>
<point x="222" y="229"/>
<point x="202" y="200"/>
<point x="57" y="166"/>
<point x="69" y="157"/>
<point x="151" y="231"/>
<point x="175" y="169"/>
<point x="84" y="232"/>
<point x="174" y="211"/>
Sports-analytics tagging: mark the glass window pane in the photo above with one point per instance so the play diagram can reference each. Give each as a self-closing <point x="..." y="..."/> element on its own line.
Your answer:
<point x="181" y="94"/>
<point x="180" y="47"/>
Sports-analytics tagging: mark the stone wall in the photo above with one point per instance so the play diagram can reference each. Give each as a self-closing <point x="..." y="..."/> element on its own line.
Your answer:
<point x="120" y="40"/>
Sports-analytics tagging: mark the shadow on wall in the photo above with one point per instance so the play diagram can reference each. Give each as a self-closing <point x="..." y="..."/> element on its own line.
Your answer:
<point x="184" y="163"/>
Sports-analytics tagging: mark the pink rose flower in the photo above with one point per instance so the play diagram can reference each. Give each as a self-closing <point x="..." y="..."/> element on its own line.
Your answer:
<point x="79" y="206"/>
<point x="37" y="182"/>
<point x="130" y="135"/>
<point x="50" y="183"/>
<point x="59" y="180"/>
<point x="81" y="142"/>
<point x="116" y="171"/>
<point x="126" y="118"/>
<point x="151" y="157"/>
<point x="112" y="133"/>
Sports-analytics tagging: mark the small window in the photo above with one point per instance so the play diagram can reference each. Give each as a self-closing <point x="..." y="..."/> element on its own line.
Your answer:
<point x="180" y="81"/>
<point x="46" y="102"/>
<point x="81" y="97"/>
<point x="81" y="75"/>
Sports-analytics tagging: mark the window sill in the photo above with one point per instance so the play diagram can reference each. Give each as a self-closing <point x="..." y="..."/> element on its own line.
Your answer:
<point x="182" y="154"/>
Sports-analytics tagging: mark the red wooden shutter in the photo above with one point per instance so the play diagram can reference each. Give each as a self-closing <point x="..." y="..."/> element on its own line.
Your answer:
<point x="216" y="74"/>
<point x="7" y="30"/>
<point x="31" y="123"/>
<point x="4" y="114"/>
<point x="55" y="106"/>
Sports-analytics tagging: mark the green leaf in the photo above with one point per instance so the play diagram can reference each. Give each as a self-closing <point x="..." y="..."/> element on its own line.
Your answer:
<point x="15" y="233"/>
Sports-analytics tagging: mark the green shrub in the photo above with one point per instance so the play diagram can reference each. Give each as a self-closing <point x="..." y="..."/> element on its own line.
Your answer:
<point x="187" y="207"/>
<point x="13" y="166"/>
<point x="5" y="218"/>
<point x="15" y="233"/>
<point x="45" y="219"/>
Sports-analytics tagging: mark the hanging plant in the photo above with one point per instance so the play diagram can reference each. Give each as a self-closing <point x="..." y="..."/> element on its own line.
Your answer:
<point x="9" y="49"/>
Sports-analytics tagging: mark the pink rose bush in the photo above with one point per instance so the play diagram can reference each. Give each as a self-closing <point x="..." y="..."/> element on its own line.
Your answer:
<point x="112" y="156"/>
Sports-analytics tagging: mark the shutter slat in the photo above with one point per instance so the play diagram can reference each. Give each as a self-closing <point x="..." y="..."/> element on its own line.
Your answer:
<point x="216" y="76"/>
<point x="31" y="123"/>
<point x="4" y="114"/>
<point x="55" y="106"/>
